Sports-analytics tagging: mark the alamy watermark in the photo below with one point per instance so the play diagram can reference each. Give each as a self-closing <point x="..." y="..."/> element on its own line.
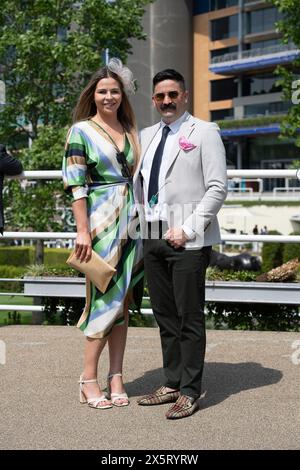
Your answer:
<point x="2" y="352"/>
<point x="296" y="93"/>
<point x="296" y="354"/>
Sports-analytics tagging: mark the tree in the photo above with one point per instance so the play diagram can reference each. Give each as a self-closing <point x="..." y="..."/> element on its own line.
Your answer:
<point x="39" y="205"/>
<point x="289" y="77"/>
<point x="48" y="49"/>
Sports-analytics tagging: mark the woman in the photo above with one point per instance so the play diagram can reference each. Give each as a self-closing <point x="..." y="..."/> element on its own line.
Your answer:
<point x="100" y="157"/>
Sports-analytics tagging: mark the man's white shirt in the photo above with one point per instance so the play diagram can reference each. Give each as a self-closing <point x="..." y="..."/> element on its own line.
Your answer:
<point x="159" y="210"/>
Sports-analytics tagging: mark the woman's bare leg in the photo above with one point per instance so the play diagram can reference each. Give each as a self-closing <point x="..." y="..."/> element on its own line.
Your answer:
<point x="116" y="344"/>
<point x="93" y="349"/>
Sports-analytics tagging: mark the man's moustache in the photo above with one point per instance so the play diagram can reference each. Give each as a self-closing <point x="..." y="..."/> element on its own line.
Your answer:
<point x="164" y="107"/>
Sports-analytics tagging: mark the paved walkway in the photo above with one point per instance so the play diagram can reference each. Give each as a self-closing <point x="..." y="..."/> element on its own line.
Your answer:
<point x="251" y="394"/>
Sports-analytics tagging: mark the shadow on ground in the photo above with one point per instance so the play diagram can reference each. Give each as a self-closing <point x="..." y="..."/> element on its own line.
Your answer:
<point x="220" y="380"/>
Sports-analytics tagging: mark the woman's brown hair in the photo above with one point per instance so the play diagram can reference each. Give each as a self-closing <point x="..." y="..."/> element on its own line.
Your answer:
<point x="86" y="108"/>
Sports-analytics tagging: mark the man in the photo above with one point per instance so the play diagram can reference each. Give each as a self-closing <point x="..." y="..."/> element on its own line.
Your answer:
<point x="8" y="166"/>
<point x="180" y="185"/>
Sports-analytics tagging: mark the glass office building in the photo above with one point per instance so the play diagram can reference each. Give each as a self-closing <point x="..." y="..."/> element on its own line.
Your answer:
<point x="228" y="51"/>
<point x="236" y="50"/>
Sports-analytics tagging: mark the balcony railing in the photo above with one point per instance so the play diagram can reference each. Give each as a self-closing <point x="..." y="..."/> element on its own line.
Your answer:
<point x="254" y="53"/>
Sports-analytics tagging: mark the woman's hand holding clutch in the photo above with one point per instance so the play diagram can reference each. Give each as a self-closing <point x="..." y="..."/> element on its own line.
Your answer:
<point x="83" y="246"/>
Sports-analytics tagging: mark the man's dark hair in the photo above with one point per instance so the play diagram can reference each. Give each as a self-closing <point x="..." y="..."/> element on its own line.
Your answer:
<point x="169" y="74"/>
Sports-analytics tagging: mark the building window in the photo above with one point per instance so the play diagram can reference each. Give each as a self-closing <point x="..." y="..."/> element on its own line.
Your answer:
<point x="259" y="84"/>
<point x="222" y="53"/>
<point x="224" y="28"/>
<point x="262" y="44"/>
<point x="259" y="21"/>
<point x="266" y="109"/>
<point x="218" y="4"/>
<point x="223" y="89"/>
<point x="221" y="114"/>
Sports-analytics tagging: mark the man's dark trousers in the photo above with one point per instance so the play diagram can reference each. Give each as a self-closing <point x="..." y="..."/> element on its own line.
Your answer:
<point x="176" y="281"/>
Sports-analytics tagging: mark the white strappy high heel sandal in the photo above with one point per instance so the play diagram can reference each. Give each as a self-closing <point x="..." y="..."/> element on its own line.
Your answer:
<point x="116" y="396"/>
<point x="93" y="402"/>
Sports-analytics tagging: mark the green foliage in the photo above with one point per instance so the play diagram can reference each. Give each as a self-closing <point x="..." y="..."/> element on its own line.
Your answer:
<point x="249" y="122"/>
<point x="48" y="51"/>
<point x="289" y="27"/>
<point x="254" y="316"/>
<point x="137" y="319"/>
<point x="38" y="270"/>
<point x="24" y="255"/>
<point x="16" y="255"/>
<point x="10" y="272"/>
<point x="291" y="250"/>
<point x="54" y="256"/>
<point x="69" y="314"/>
<point x="35" y="207"/>
<point x="67" y="311"/>
<point x="13" y="318"/>
<point x="49" y="48"/>
<point x="295" y="164"/>
<point x="215" y="274"/>
<point x="272" y="253"/>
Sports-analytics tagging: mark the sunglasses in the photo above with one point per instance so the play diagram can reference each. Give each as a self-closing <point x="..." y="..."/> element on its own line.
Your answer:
<point x="173" y="95"/>
<point x="123" y="162"/>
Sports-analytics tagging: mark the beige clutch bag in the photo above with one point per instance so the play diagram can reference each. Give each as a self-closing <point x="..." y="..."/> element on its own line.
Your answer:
<point x="96" y="269"/>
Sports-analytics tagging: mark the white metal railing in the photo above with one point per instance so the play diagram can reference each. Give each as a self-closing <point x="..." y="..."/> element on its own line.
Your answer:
<point x="53" y="174"/>
<point x="56" y="174"/>
<point x="229" y="237"/>
<point x="289" y="189"/>
<point x="255" y="173"/>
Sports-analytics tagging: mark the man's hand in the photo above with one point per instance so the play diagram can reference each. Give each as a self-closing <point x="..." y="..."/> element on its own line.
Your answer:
<point x="175" y="237"/>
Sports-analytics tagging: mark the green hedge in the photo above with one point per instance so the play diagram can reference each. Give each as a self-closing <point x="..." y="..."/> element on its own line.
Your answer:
<point x="255" y="316"/>
<point x="24" y="255"/>
<point x="291" y="250"/>
<point x="250" y="122"/>
<point x="16" y="255"/>
<point x="272" y="253"/>
<point x="55" y="256"/>
<point x="11" y="272"/>
<point x="73" y="308"/>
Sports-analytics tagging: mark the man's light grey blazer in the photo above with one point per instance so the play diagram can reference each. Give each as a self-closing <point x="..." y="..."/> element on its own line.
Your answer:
<point x="196" y="180"/>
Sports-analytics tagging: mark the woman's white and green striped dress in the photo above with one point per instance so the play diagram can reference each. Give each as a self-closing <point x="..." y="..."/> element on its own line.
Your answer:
<point x="91" y="170"/>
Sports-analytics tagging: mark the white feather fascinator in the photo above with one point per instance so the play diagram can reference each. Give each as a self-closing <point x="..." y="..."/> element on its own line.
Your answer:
<point x="115" y="65"/>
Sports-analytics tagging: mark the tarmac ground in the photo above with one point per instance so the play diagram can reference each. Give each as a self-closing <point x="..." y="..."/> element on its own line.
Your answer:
<point x="250" y="397"/>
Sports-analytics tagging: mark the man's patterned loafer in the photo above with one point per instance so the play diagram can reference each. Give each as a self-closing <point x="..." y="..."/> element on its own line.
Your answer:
<point x="159" y="397"/>
<point x="183" y="407"/>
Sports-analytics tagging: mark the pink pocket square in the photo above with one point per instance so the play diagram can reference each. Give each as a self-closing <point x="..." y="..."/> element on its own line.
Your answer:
<point x="184" y="144"/>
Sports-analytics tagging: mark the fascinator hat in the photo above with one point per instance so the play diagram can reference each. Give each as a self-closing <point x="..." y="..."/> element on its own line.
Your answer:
<point x="115" y="65"/>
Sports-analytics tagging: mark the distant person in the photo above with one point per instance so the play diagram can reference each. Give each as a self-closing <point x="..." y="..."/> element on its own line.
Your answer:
<point x="264" y="230"/>
<point x="9" y="166"/>
<point x="255" y="244"/>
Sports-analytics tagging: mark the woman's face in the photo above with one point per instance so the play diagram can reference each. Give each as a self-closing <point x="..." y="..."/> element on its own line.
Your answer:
<point x="108" y="96"/>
